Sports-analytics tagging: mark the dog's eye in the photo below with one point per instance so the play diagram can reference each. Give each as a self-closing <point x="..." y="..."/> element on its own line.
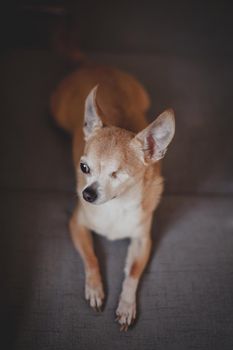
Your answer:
<point x="85" y="168"/>
<point x="114" y="174"/>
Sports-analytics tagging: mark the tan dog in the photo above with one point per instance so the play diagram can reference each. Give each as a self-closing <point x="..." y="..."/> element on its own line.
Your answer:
<point x="118" y="172"/>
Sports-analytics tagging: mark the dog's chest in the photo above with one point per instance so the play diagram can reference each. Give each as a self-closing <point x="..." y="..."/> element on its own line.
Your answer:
<point x="115" y="219"/>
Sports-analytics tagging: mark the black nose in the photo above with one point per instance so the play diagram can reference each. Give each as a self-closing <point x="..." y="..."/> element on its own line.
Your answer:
<point x="90" y="194"/>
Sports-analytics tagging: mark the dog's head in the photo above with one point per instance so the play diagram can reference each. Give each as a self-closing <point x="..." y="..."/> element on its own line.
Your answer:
<point x="115" y="159"/>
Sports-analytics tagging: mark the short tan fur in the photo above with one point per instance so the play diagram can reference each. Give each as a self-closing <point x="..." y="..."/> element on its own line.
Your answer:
<point x="119" y="184"/>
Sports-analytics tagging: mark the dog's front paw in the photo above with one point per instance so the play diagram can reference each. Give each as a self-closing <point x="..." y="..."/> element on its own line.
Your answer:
<point x="125" y="314"/>
<point x="94" y="294"/>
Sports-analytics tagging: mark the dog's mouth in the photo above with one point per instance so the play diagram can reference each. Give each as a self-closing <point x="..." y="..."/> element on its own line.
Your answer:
<point x="105" y="201"/>
<point x="99" y="202"/>
<point x="96" y="201"/>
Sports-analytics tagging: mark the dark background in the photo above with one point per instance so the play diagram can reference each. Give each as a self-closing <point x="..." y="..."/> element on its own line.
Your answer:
<point x="187" y="28"/>
<point x="182" y="52"/>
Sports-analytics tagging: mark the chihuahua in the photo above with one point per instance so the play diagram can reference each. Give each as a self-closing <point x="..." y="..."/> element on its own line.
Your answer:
<point x="117" y="162"/>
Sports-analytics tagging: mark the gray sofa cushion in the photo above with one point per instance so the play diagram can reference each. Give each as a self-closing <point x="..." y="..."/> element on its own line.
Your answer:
<point x="185" y="298"/>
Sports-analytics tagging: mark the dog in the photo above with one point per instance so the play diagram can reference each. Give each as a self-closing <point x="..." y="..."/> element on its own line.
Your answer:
<point x="116" y="157"/>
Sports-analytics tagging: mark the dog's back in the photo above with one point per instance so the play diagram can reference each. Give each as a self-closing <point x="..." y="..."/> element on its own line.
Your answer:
<point x="122" y="100"/>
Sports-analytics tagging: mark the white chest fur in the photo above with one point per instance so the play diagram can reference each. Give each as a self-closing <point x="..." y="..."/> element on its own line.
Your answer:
<point x="116" y="219"/>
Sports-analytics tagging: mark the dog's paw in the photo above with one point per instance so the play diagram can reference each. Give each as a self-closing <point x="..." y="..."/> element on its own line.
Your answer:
<point x="125" y="314"/>
<point x="94" y="294"/>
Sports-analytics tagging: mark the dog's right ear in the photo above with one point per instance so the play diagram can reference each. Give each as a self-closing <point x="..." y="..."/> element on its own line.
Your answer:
<point x="92" y="121"/>
<point x="155" y="139"/>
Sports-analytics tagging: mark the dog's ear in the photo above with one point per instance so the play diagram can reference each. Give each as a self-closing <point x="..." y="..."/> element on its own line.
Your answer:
<point x="92" y="120"/>
<point x="155" y="138"/>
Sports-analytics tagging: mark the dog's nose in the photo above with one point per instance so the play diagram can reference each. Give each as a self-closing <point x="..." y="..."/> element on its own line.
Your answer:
<point x="90" y="194"/>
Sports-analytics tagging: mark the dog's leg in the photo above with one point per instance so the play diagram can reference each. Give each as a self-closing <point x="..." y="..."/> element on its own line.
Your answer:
<point x="82" y="239"/>
<point x="137" y="258"/>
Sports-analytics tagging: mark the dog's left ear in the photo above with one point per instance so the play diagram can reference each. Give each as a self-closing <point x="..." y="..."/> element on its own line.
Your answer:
<point x="157" y="136"/>
<point x="92" y="120"/>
